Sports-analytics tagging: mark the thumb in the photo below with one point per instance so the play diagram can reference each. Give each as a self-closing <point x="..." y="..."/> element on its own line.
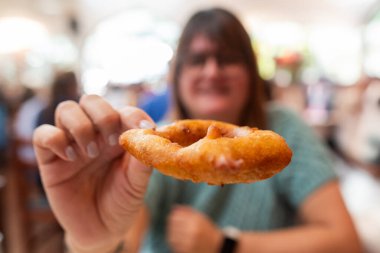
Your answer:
<point x="138" y="175"/>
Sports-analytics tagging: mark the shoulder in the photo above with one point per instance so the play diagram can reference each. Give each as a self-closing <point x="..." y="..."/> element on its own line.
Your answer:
<point x="280" y="116"/>
<point x="289" y="124"/>
<point x="299" y="135"/>
<point x="311" y="164"/>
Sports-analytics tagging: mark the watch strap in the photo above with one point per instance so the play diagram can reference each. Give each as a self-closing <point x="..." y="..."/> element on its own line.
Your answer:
<point x="229" y="245"/>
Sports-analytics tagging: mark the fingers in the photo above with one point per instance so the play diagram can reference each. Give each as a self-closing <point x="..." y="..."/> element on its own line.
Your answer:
<point x="105" y="118"/>
<point x="191" y="231"/>
<point x="85" y="129"/>
<point x="81" y="126"/>
<point x="74" y="121"/>
<point x="50" y="142"/>
<point x="132" y="117"/>
<point x="179" y="227"/>
<point x="182" y="213"/>
<point x="88" y="122"/>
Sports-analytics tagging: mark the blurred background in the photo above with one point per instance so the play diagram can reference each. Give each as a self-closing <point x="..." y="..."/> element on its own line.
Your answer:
<point x="319" y="58"/>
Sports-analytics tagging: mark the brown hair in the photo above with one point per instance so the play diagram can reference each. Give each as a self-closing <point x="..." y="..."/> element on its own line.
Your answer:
<point x="65" y="86"/>
<point x="223" y="28"/>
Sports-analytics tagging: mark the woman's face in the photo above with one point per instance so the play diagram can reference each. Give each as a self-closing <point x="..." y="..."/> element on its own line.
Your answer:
<point x="213" y="84"/>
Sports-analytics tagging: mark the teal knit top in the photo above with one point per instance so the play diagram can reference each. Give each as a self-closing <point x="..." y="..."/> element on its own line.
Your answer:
<point x="261" y="206"/>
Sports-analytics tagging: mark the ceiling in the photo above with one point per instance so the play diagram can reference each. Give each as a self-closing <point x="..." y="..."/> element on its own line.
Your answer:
<point x="328" y="13"/>
<point x="90" y="12"/>
<point x="350" y="12"/>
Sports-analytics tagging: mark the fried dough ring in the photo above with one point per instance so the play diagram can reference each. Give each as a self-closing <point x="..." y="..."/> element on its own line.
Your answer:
<point x="209" y="151"/>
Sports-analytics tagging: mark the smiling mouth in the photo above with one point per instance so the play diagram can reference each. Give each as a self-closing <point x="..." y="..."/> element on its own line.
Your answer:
<point x="215" y="90"/>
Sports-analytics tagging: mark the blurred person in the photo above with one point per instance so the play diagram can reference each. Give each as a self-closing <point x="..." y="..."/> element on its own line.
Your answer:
<point x="158" y="106"/>
<point x="23" y="156"/>
<point x="24" y="124"/>
<point x="356" y="142"/>
<point x="102" y="196"/>
<point x="319" y="99"/>
<point x="64" y="87"/>
<point x="4" y="133"/>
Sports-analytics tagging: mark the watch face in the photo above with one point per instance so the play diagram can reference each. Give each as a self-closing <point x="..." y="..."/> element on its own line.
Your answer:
<point x="231" y="232"/>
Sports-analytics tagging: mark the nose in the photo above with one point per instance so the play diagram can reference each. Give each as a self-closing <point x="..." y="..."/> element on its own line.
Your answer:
<point x="211" y="67"/>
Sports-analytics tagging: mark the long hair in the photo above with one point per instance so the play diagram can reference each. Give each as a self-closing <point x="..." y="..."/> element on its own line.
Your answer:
<point x="223" y="28"/>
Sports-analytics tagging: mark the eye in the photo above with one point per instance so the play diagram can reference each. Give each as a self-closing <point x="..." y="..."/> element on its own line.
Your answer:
<point x="196" y="59"/>
<point x="229" y="58"/>
<point x="378" y="102"/>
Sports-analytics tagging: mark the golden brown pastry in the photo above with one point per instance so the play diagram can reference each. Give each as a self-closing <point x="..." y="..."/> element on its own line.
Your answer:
<point x="209" y="151"/>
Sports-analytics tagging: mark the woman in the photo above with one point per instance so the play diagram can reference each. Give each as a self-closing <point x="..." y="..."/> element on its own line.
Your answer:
<point x="97" y="191"/>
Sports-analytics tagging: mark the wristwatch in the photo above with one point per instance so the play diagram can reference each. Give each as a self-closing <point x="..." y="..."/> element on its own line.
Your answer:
<point x="230" y="241"/>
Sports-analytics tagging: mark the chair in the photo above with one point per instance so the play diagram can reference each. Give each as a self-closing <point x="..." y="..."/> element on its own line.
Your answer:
<point x="32" y="224"/>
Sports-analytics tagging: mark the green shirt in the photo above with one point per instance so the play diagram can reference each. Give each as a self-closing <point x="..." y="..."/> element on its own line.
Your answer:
<point x="265" y="205"/>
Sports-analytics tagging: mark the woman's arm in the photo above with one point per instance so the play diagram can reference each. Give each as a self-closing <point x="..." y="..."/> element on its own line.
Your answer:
<point x="325" y="227"/>
<point x="94" y="187"/>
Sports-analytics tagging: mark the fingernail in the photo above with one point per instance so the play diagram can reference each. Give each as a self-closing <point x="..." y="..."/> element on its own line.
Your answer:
<point x="70" y="153"/>
<point x="113" y="139"/>
<point x="145" y="124"/>
<point x="92" y="150"/>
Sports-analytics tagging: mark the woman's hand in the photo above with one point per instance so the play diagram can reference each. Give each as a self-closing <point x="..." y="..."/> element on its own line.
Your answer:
<point x="94" y="187"/>
<point x="191" y="231"/>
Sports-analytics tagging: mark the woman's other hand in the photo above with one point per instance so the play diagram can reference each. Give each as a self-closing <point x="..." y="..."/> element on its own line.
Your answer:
<point x="94" y="187"/>
<point x="189" y="231"/>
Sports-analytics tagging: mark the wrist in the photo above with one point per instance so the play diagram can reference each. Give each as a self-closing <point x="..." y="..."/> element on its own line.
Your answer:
<point x="112" y="246"/>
